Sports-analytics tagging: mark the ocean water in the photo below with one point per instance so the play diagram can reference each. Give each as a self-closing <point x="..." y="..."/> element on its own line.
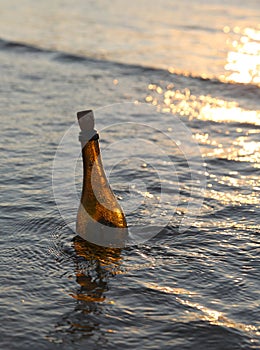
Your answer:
<point x="175" y="90"/>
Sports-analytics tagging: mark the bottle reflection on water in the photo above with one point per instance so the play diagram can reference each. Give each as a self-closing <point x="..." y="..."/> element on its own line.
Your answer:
<point x="100" y="219"/>
<point x="94" y="266"/>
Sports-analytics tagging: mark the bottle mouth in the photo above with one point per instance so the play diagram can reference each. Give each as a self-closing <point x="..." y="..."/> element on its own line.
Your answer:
<point x="83" y="113"/>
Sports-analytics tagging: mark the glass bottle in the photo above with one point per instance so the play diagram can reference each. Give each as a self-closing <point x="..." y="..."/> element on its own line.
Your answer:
<point x="100" y="219"/>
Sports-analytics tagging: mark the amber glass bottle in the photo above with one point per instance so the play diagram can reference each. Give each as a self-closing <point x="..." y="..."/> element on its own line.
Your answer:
<point x="100" y="218"/>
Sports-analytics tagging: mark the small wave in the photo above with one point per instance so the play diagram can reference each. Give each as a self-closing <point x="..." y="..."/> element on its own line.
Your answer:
<point x="19" y="46"/>
<point x="67" y="57"/>
<point x="233" y="87"/>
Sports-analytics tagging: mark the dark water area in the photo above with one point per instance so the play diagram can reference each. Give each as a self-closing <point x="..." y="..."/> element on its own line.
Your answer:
<point x="193" y="288"/>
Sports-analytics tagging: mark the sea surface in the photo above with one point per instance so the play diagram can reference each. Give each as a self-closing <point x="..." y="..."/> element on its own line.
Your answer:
<point x="175" y="88"/>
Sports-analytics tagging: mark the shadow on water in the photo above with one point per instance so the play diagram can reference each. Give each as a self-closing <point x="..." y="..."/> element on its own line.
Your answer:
<point x="94" y="266"/>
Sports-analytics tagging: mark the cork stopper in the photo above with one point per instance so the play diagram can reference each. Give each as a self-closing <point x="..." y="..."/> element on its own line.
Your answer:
<point x="86" y="120"/>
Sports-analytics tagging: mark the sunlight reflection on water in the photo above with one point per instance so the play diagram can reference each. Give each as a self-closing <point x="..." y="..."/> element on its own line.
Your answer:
<point x="243" y="59"/>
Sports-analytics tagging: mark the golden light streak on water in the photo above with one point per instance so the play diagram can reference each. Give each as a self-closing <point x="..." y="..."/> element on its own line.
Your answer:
<point x="234" y="197"/>
<point x="243" y="59"/>
<point x="240" y="147"/>
<point x="207" y="314"/>
<point x="204" y="107"/>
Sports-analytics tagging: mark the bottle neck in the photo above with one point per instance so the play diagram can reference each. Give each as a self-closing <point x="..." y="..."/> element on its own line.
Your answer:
<point x="91" y="160"/>
<point x="90" y="150"/>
